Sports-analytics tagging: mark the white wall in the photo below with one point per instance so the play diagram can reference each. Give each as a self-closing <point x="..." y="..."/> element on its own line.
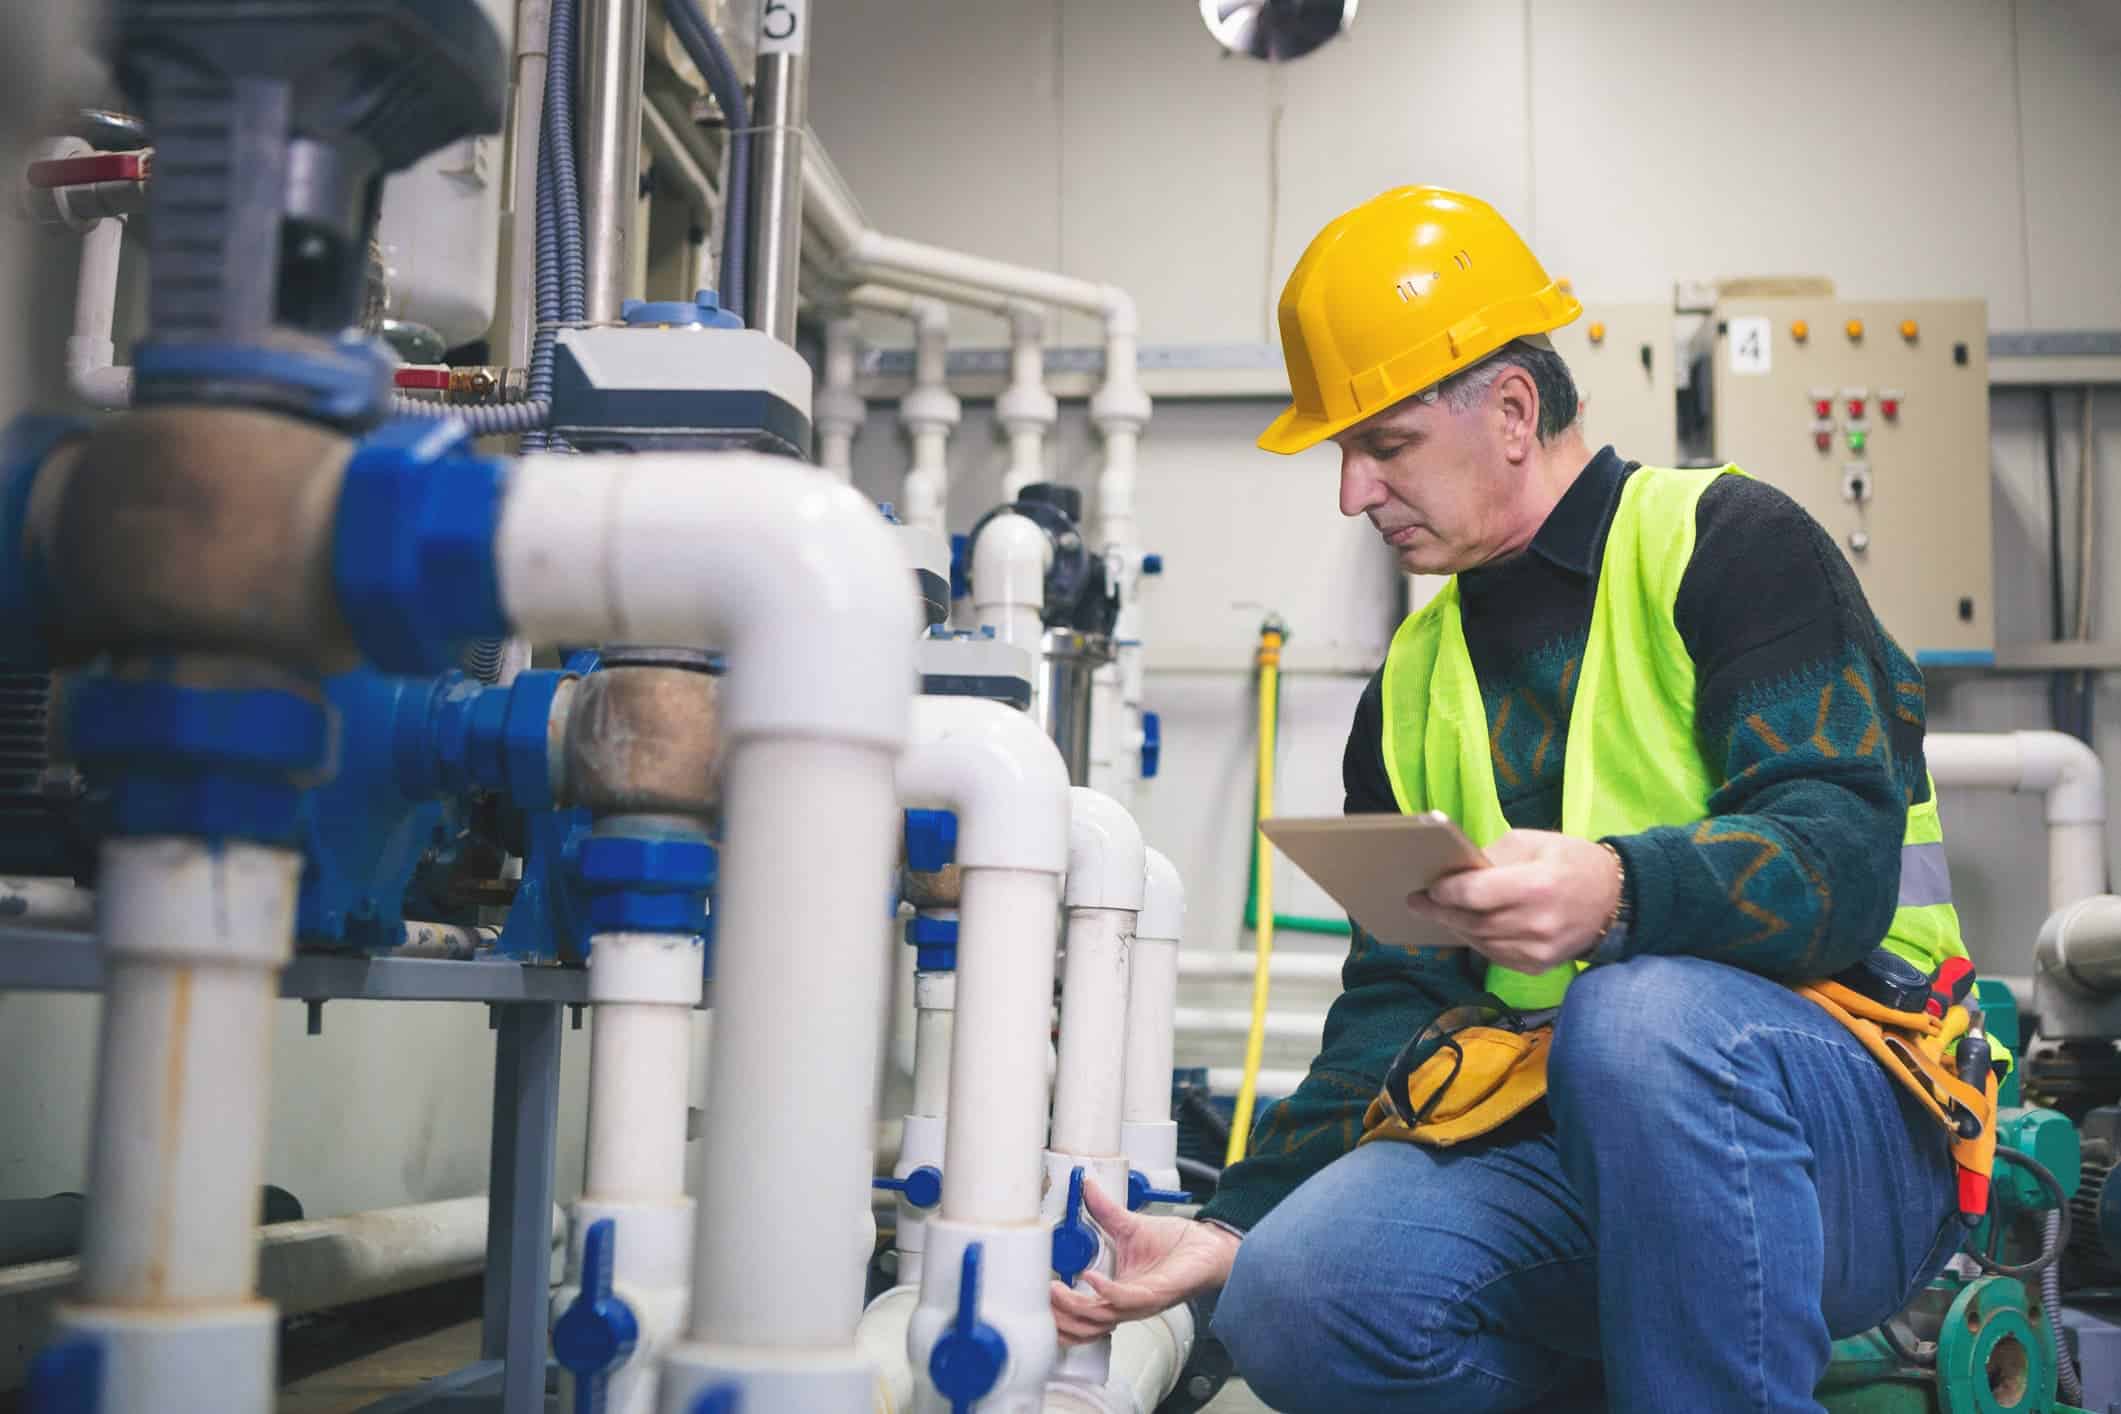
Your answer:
<point x="1900" y="147"/>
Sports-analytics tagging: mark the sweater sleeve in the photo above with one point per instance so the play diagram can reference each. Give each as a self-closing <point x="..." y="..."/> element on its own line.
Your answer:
<point x="1814" y="716"/>
<point x="1387" y="995"/>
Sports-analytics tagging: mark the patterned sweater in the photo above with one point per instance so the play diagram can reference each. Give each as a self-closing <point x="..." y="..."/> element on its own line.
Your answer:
<point x="1811" y="710"/>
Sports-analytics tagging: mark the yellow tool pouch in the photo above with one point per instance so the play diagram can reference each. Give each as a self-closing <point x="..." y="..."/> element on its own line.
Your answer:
<point x="1472" y="1069"/>
<point x="1913" y="1047"/>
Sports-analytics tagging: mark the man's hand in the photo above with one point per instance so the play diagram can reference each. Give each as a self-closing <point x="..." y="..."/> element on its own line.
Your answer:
<point x="1157" y="1262"/>
<point x="1544" y="901"/>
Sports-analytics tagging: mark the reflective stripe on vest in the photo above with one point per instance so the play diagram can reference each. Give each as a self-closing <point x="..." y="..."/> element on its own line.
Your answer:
<point x="1632" y="761"/>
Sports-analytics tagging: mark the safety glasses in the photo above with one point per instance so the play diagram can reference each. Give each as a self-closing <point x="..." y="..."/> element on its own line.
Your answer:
<point x="1440" y="1037"/>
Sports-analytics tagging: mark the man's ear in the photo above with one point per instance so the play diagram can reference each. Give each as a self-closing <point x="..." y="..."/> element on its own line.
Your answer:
<point x="1517" y="404"/>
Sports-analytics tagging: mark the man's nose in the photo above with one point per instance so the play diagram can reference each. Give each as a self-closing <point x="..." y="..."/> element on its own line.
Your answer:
<point x="1361" y="489"/>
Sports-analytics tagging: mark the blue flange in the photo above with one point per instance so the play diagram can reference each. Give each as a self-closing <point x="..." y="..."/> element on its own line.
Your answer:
<point x="412" y="547"/>
<point x="931" y="840"/>
<point x="936" y="941"/>
<point x="215" y="764"/>
<point x="638" y="885"/>
<point x="24" y="446"/>
<point x="347" y="385"/>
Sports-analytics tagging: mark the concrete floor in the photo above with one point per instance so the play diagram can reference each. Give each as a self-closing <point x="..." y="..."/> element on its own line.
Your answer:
<point x="354" y="1386"/>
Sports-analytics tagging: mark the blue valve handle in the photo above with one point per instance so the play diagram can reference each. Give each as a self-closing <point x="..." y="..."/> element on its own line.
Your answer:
<point x="597" y="1331"/>
<point x="722" y="1399"/>
<point x="66" y="1378"/>
<point x="968" y="1358"/>
<point x="1074" y="1239"/>
<point x="923" y="1187"/>
<point x="1140" y="1194"/>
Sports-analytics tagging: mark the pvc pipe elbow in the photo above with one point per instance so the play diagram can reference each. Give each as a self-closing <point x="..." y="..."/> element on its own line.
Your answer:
<point x="2069" y="771"/>
<point x="1107" y="862"/>
<point x="785" y="568"/>
<point x="1009" y="564"/>
<point x="1163" y="914"/>
<point x="1002" y="775"/>
<point x="2079" y="947"/>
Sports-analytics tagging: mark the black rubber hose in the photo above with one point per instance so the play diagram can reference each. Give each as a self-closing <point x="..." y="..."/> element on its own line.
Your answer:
<point x="1194" y="1171"/>
<point x="1921" y="1358"/>
<point x="2052" y="1252"/>
<point x="1193" y="1103"/>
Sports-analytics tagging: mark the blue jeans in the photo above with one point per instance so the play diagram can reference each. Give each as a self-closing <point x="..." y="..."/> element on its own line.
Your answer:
<point x="1729" y="1183"/>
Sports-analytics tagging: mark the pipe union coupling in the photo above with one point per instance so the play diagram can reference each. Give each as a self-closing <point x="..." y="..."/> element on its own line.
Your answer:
<point x="644" y="741"/>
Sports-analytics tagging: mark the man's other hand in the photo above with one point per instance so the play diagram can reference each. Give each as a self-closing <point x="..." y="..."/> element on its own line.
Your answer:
<point x="1158" y="1261"/>
<point x="1544" y="900"/>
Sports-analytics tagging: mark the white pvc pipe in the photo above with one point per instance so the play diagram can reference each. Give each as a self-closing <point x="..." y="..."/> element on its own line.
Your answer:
<point x="90" y="354"/>
<point x="49" y="903"/>
<point x="1225" y="1080"/>
<point x="1281" y="1026"/>
<point x="838" y="410"/>
<point x="801" y="583"/>
<point x="1009" y="564"/>
<point x="193" y="938"/>
<point x="1147" y="1133"/>
<point x="2064" y="769"/>
<point x="928" y="412"/>
<point x="1285" y="966"/>
<point x="1025" y="409"/>
<point x="1107" y="863"/>
<point x="935" y="1024"/>
<point x="1007" y="784"/>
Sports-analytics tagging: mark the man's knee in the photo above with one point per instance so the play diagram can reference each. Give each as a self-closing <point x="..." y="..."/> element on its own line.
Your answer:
<point x="1304" y="1341"/>
<point x="1644" y="1032"/>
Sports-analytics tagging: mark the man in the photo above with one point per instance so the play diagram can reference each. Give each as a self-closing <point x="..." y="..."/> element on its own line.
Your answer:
<point x="1694" y="760"/>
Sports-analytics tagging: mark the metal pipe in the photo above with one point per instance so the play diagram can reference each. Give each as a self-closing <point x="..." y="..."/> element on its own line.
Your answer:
<point x="517" y="297"/>
<point x="614" y="36"/>
<point x="779" y="111"/>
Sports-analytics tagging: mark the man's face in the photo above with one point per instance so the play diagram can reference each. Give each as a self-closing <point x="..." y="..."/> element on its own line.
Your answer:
<point x="1436" y="482"/>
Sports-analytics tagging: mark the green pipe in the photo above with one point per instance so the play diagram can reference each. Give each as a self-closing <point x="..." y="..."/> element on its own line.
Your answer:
<point x="1290" y="922"/>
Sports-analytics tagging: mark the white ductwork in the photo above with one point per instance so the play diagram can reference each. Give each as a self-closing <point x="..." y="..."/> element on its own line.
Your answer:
<point x="1148" y="1134"/>
<point x="1009" y="564"/>
<point x="1008" y="786"/>
<point x="803" y="585"/>
<point x="2057" y="765"/>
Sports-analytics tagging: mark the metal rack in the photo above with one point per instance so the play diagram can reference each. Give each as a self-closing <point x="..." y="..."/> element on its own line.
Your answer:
<point x="525" y="1002"/>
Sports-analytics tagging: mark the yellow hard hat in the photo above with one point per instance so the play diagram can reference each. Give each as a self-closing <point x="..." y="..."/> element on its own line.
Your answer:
<point x="1396" y="295"/>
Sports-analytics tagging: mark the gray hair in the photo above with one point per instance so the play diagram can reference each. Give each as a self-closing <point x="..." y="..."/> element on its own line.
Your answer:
<point x="1558" y="402"/>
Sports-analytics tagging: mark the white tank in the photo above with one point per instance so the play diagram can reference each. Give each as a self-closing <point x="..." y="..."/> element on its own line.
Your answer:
<point x="440" y="230"/>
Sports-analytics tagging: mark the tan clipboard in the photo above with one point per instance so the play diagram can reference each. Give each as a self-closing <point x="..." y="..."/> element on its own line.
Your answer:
<point x="1370" y="863"/>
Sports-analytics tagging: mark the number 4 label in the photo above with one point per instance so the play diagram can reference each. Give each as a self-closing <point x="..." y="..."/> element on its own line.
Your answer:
<point x="784" y="25"/>
<point x="1752" y="345"/>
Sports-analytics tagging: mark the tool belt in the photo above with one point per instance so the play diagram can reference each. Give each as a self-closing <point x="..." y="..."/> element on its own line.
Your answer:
<point x="1480" y="1065"/>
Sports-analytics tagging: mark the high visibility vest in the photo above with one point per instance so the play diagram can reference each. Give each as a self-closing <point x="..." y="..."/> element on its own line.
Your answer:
<point x="1632" y="760"/>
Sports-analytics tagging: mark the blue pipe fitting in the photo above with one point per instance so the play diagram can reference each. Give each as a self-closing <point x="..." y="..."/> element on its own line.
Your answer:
<point x="597" y="1331"/>
<point x="722" y="1399"/>
<point x="24" y="446"/>
<point x="412" y="549"/>
<point x="931" y="840"/>
<point x="66" y="1378"/>
<point x="1152" y="565"/>
<point x="969" y="1357"/>
<point x="347" y="385"/>
<point x="471" y="737"/>
<point x="1074" y="1239"/>
<point x="638" y="885"/>
<point x="208" y="763"/>
<point x="1140" y="1195"/>
<point x="960" y="566"/>
<point x="1152" y="744"/>
<point x="935" y="941"/>
<point x="922" y="1188"/>
<point x="704" y="312"/>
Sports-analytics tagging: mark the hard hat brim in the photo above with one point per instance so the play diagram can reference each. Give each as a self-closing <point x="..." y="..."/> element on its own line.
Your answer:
<point x="1294" y="432"/>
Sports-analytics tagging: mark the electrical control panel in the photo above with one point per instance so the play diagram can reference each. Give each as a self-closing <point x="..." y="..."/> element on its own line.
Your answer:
<point x="1622" y="357"/>
<point x="1873" y="415"/>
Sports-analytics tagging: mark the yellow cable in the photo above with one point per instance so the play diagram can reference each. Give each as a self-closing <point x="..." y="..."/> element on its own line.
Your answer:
<point x="1270" y="638"/>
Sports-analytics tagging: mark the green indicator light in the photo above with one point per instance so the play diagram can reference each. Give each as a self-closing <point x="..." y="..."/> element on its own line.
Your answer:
<point x="1857" y="437"/>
